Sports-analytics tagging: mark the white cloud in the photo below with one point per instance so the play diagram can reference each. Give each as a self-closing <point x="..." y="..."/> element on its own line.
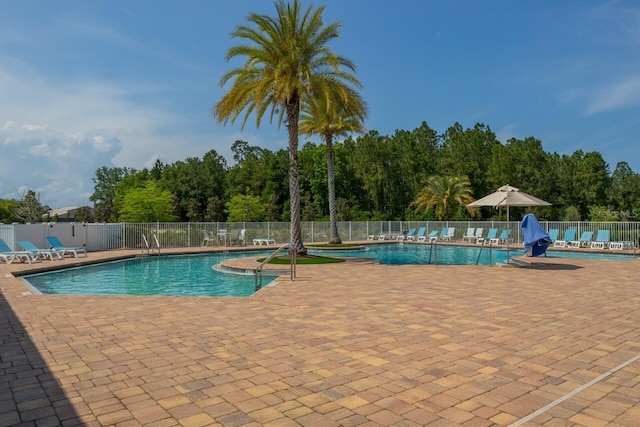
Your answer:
<point x="9" y="125"/>
<point x="622" y="94"/>
<point x="31" y="127"/>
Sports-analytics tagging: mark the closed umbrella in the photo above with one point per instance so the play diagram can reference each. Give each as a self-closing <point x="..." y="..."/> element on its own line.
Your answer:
<point x="509" y="196"/>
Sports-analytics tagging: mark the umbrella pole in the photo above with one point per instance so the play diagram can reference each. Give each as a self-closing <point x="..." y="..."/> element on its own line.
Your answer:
<point x="508" y="260"/>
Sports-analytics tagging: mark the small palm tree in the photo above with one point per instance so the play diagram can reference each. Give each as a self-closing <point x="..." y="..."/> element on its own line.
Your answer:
<point x="335" y="117"/>
<point x="287" y="61"/>
<point x="446" y="194"/>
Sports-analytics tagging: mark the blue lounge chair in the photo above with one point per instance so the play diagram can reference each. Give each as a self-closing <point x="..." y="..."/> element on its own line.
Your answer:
<point x="602" y="240"/>
<point x="503" y="237"/>
<point x="569" y="236"/>
<point x="408" y="236"/>
<point x="433" y="236"/>
<point x="8" y="255"/>
<point x="443" y="233"/>
<point x="41" y="253"/>
<point x="584" y="241"/>
<point x="491" y="235"/>
<point x="419" y="236"/>
<point x="57" y="245"/>
<point x="553" y="234"/>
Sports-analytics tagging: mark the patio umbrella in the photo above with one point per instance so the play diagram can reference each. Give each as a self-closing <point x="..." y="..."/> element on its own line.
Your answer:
<point x="509" y="196"/>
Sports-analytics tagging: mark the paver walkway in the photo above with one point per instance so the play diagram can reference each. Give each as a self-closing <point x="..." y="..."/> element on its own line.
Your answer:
<point x="344" y="345"/>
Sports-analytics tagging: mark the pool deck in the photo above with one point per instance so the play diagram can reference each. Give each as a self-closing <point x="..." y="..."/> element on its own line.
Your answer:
<point x="342" y="345"/>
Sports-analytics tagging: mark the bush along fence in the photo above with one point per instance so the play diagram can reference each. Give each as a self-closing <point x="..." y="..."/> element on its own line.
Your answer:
<point x="101" y="236"/>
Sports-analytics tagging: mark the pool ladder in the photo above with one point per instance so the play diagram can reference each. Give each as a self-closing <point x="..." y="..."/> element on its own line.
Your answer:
<point x="148" y="247"/>
<point x="292" y="255"/>
<point x="490" y="252"/>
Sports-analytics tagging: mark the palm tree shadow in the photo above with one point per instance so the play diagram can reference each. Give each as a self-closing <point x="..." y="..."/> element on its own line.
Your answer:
<point x="29" y="392"/>
<point x="552" y="266"/>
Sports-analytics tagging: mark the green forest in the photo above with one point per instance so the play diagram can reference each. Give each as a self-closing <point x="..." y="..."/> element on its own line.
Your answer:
<point x="377" y="177"/>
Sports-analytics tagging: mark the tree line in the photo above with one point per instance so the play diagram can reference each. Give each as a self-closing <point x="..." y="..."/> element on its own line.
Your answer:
<point x="377" y="177"/>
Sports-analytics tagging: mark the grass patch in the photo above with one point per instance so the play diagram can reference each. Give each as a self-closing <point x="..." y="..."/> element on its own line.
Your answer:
<point x="344" y="246"/>
<point x="304" y="260"/>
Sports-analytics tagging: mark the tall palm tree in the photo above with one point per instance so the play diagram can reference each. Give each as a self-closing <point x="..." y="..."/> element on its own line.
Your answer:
<point x="337" y="117"/>
<point x="287" y="60"/>
<point x="446" y="193"/>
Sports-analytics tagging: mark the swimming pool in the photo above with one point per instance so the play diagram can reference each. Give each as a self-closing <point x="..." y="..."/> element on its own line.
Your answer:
<point x="169" y="275"/>
<point x="405" y="254"/>
<point x="192" y="275"/>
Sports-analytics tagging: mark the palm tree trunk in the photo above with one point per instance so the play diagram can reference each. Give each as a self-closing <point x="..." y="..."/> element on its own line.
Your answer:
<point x="333" y="211"/>
<point x="293" y="114"/>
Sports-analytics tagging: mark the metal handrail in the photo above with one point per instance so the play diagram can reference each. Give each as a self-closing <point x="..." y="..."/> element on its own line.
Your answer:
<point x="490" y="252"/>
<point x="157" y="242"/>
<point x="146" y="243"/>
<point x="292" y="255"/>
<point x="148" y="246"/>
<point x="433" y="243"/>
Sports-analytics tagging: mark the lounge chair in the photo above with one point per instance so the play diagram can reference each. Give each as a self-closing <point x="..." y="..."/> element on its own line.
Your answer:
<point x="443" y="233"/>
<point x="502" y="238"/>
<point x="620" y="245"/>
<point x="407" y="236"/>
<point x="491" y="235"/>
<point x="7" y="258"/>
<point x="553" y="234"/>
<point x="451" y="231"/>
<point x="41" y="253"/>
<point x="602" y="240"/>
<point x="419" y="236"/>
<point x="9" y="255"/>
<point x="478" y="233"/>
<point x="237" y="237"/>
<point x="57" y="245"/>
<point x="569" y="236"/>
<point x="207" y="237"/>
<point x="262" y="241"/>
<point x="433" y="236"/>
<point x="583" y="241"/>
<point x="470" y="234"/>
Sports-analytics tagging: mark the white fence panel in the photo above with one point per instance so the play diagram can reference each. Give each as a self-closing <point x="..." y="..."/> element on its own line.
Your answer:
<point x="99" y="237"/>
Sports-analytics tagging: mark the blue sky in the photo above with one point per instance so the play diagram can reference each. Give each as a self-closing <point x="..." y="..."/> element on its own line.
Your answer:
<point x="86" y="84"/>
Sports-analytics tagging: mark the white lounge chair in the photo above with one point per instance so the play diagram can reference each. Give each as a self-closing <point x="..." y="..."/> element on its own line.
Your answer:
<point x="470" y="234"/>
<point x="207" y="237"/>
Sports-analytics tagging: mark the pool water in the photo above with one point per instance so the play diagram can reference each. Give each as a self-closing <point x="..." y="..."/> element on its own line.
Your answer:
<point x="404" y="254"/>
<point x="163" y="275"/>
<point x="192" y="275"/>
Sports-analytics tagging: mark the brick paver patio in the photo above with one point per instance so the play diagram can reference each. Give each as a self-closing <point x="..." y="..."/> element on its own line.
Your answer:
<point x="344" y="345"/>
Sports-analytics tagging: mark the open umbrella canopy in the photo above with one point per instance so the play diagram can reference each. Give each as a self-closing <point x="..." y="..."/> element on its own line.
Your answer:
<point x="509" y="196"/>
